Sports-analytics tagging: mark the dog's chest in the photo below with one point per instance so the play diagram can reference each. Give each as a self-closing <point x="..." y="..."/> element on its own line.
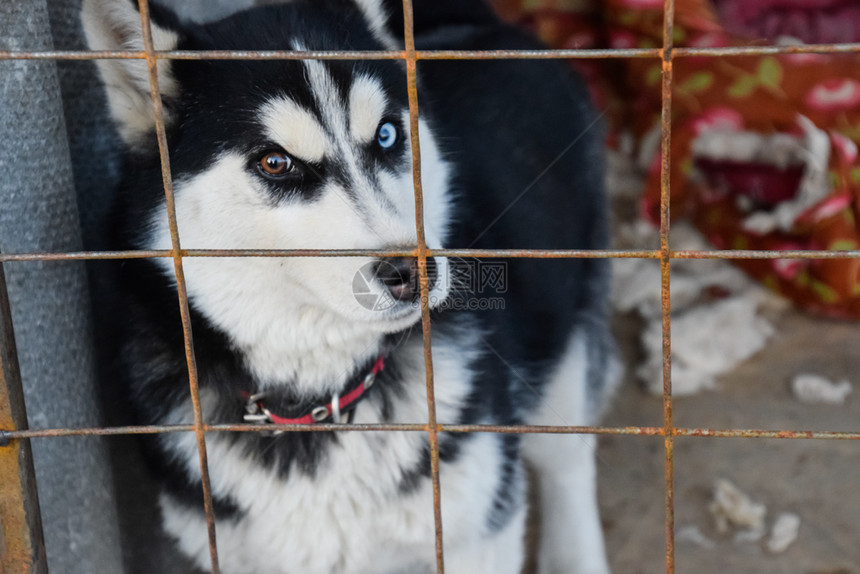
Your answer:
<point x="335" y="520"/>
<point x="353" y="516"/>
<point x="366" y="508"/>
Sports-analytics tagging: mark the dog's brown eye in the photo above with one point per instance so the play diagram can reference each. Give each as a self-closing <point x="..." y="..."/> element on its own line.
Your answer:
<point x="276" y="164"/>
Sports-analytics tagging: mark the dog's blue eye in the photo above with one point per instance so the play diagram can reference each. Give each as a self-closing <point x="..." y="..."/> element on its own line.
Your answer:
<point x="387" y="135"/>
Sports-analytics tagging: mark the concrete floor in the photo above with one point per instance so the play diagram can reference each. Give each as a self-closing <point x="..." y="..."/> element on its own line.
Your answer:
<point x="817" y="479"/>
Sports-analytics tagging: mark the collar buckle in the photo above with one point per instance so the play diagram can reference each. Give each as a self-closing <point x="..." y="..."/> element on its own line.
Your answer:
<point x="254" y="412"/>
<point x="319" y="413"/>
<point x="369" y="380"/>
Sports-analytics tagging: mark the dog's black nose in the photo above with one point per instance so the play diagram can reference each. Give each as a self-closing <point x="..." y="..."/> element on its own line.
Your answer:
<point x="400" y="276"/>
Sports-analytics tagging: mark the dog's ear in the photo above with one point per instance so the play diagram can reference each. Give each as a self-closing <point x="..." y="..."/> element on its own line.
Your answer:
<point x="115" y="25"/>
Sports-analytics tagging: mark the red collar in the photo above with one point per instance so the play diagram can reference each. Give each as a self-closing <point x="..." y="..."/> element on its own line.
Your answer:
<point x="256" y="411"/>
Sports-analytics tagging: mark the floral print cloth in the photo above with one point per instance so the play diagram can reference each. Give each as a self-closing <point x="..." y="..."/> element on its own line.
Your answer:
<point x="800" y="98"/>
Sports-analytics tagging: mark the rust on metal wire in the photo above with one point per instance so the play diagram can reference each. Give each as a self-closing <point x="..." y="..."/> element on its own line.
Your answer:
<point x="769" y="50"/>
<point x="665" y="272"/>
<point x="567" y="54"/>
<point x="780" y="434"/>
<point x="203" y="55"/>
<point x="454" y="252"/>
<point x="22" y="548"/>
<point x="423" y="280"/>
<point x="463" y="253"/>
<point x="570" y="54"/>
<point x="423" y="427"/>
<point x="185" y="313"/>
<point x="749" y="254"/>
<point x="82" y="255"/>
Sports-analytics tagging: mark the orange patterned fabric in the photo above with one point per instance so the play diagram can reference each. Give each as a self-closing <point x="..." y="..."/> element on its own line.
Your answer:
<point x="763" y="94"/>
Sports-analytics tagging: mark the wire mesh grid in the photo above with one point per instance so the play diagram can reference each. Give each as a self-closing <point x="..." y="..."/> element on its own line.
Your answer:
<point x="410" y="55"/>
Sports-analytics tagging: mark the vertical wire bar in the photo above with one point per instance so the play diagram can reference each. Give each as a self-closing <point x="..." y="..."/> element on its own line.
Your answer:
<point x="180" y="280"/>
<point x="665" y="271"/>
<point x="432" y="427"/>
<point x="22" y="547"/>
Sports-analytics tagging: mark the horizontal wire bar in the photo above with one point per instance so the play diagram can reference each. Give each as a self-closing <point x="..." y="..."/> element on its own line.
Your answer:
<point x="282" y="55"/>
<point x="73" y="55"/>
<point x="757" y="433"/>
<point x="601" y="53"/>
<point x="423" y="427"/>
<point x="764" y="254"/>
<point x="462" y="253"/>
<point x="565" y="54"/>
<point x="845" y="48"/>
<point x="203" y="55"/>
<point x="590" y="54"/>
<point x="83" y="255"/>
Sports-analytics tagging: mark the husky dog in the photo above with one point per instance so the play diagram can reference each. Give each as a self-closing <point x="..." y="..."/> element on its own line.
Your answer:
<point x="312" y="154"/>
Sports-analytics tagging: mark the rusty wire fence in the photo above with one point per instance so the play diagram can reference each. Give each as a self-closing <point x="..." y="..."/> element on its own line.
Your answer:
<point x="18" y="498"/>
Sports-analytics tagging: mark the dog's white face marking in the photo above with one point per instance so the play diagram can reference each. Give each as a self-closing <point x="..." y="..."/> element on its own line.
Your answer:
<point x="376" y="18"/>
<point x="298" y="319"/>
<point x="295" y="129"/>
<point x="286" y="314"/>
<point x="325" y="94"/>
<point x="367" y="103"/>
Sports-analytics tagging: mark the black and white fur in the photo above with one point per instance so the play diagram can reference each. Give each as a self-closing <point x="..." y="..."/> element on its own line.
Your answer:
<point x="510" y="159"/>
